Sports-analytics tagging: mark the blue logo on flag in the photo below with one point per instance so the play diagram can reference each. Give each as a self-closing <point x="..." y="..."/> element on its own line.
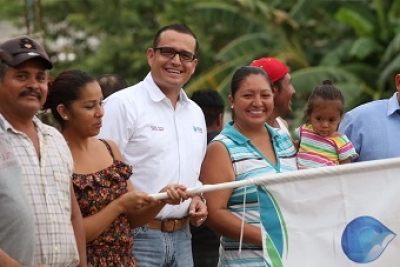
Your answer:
<point x="365" y="239"/>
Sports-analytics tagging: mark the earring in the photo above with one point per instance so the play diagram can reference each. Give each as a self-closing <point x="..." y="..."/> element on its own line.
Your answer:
<point x="231" y="106"/>
<point x="65" y="117"/>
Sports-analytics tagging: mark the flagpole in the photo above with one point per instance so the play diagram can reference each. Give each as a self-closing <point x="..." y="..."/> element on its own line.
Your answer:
<point x="287" y="176"/>
<point x="208" y="188"/>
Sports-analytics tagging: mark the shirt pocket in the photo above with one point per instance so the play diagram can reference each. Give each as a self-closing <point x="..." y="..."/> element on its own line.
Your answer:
<point x="63" y="187"/>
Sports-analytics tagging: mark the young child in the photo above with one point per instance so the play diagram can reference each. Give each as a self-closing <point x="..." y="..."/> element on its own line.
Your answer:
<point x="320" y="143"/>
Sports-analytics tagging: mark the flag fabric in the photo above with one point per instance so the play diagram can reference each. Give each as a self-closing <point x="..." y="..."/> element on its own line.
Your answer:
<point x="347" y="216"/>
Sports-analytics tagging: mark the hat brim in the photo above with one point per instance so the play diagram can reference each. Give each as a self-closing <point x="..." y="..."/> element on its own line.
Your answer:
<point x="20" y="58"/>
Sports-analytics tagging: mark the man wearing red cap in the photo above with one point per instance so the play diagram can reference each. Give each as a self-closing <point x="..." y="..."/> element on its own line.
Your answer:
<point x="282" y="88"/>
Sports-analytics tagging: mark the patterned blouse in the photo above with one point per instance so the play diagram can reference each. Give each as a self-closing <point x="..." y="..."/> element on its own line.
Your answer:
<point x="113" y="247"/>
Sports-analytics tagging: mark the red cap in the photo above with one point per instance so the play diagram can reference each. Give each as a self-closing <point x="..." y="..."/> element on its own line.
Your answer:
<point x="275" y="69"/>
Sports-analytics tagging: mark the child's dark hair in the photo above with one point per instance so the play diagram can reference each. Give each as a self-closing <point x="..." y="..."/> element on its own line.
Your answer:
<point x="65" y="89"/>
<point x="325" y="91"/>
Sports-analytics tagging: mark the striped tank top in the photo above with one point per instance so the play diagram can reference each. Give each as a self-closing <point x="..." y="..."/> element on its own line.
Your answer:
<point x="248" y="163"/>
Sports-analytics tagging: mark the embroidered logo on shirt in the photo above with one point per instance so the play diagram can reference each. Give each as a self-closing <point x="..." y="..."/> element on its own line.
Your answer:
<point x="157" y="128"/>
<point x="197" y="129"/>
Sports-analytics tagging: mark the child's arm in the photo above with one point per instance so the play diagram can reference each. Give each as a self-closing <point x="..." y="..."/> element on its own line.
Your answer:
<point x="348" y="160"/>
<point x="346" y="151"/>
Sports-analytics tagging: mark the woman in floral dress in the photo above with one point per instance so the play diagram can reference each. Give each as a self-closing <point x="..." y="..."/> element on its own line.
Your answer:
<point x="106" y="197"/>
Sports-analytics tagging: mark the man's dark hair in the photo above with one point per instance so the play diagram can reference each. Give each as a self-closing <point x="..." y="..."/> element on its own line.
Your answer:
<point x="178" y="27"/>
<point x="211" y="102"/>
<point x="111" y="83"/>
<point x="3" y="65"/>
<point x="3" y="68"/>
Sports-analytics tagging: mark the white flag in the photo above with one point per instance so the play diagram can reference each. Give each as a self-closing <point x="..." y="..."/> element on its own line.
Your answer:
<point x="341" y="216"/>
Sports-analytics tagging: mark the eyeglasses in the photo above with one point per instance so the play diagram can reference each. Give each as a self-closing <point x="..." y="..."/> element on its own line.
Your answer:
<point x="170" y="53"/>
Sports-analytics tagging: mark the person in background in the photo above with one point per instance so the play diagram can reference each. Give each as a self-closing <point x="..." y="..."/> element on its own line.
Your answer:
<point x="41" y="151"/>
<point x="282" y="88"/>
<point x="162" y="134"/>
<point x="111" y="83"/>
<point x="205" y="242"/>
<point x="320" y="142"/>
<point x="108" y="202"/>
<point x="211" y="103"/>
<point x="246" y="147"/>
<point x="374" y="127"/>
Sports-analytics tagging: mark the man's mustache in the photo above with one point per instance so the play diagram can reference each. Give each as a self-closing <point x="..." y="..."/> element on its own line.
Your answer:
<point x="30" y="91"/>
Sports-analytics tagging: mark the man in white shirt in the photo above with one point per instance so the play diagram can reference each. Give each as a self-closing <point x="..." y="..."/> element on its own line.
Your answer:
<point x="162" y="134"/>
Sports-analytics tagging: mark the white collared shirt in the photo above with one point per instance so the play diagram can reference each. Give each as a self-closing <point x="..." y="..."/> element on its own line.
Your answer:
<point x="164" y="145"/>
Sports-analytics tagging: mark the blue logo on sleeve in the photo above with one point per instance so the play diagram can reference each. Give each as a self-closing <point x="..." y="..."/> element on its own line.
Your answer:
<point x="197" y="129"/>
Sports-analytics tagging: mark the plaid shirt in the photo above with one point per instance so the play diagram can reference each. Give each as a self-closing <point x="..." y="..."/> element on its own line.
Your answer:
<point x="47" y="184"/>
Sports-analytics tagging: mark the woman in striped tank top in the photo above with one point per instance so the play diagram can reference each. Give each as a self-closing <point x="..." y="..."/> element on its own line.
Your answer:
<point x="247" y="147"/>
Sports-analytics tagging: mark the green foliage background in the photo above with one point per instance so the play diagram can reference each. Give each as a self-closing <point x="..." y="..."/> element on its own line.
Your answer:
<point x="356" y="42"/>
